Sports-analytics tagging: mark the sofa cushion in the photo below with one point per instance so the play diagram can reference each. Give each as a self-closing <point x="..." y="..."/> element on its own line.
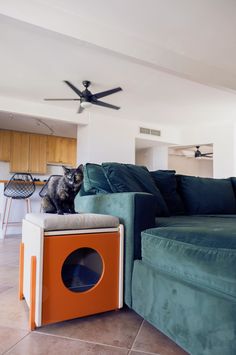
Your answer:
<point x="166" y="182"/>
<point x="95" y="180"/>
<point x="204" y="256"/>
<point x="207" y="195"/>
<point x="53" y="222"/>
<point x="233" y="181"/>
<point x="147" y="183"/>
<point x="131" y="178"/>
<point x="120" y="178"/>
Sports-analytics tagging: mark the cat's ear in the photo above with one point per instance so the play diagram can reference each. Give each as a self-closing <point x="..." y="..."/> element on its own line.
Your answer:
<point x="81" y="167"/>
<point x="66" y="170"/>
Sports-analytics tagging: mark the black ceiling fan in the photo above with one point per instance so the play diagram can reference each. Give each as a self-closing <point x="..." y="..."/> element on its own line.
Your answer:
<point x="86" y="98"/>
<point x="198" y="154"/>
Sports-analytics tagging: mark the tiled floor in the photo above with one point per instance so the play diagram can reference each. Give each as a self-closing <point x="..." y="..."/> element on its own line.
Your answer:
<point x="112" y="333"/>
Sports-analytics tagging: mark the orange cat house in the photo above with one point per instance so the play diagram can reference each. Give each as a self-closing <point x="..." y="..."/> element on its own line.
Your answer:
<point x="70" y="266"/>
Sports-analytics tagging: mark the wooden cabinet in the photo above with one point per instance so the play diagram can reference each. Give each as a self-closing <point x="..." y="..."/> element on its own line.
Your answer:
<point x="61" y="150"/>
<point x="19" y="161"/>
<point x="5" y="145"/>
<point x="28" y="153"/>
<point x="38" y="154"/>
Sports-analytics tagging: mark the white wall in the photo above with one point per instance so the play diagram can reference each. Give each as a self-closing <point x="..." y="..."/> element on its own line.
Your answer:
<point x="191" y="166"/>
<point x="111" y="139"/>
<point x="105" y="139"/>
<point x="223" y="137"/>
<point x="160" y="157"/>
<point x="144" y="157"/>
<point x="153" y="158"/>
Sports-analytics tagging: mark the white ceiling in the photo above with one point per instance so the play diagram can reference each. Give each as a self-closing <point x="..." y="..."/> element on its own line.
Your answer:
<point x="175" y="60"/>
<point x="13" y="121"/>
<point x="203" y="30"/>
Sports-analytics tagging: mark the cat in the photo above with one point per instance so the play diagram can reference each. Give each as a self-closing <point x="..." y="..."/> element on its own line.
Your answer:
<point x="62" y="191"/>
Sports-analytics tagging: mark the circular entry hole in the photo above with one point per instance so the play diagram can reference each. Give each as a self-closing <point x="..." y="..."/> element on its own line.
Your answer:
<point x="82" y="270"/>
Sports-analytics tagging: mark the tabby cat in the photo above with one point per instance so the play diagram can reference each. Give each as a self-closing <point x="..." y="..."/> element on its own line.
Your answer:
<point x="62" y="191"/>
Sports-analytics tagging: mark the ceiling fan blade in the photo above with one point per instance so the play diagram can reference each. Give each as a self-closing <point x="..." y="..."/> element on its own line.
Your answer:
<point x="206" y="154"/>
<point x="61" y="99"/>
<point x="106" y="93"/>
<point x="77" y="91"/>
<point x="104" y="104"/>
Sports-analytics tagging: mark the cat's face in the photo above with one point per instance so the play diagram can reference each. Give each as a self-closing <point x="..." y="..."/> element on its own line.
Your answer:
<point x="74" y="176"/>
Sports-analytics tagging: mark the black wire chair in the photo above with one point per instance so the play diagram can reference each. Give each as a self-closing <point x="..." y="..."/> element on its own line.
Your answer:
<point x="44" y="189"/>
<point x="20" y="187"/>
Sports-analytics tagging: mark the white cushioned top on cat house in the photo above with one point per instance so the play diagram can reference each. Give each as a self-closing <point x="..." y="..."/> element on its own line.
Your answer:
<point x="52" y="222"/>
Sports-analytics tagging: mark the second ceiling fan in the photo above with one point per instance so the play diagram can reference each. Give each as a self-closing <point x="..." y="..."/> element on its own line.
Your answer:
<point x="199" y="154"/>
<point x="87" y="99"/>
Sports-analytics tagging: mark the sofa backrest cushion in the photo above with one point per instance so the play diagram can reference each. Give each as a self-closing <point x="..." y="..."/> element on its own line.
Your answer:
<point x="95" y="180"/>
<point x="207" y="195"/>
<point x="166" y="182"/>
<point x="233" y="181"/>
<point x="133" y="178"/>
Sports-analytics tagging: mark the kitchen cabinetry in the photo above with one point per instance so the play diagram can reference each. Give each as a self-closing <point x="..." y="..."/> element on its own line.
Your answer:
<point x="38" y="154"/>
<point x="19" y="161"/>
<point x="5" y="145"/>
<point x="61" y="150"/>
<point x="28" y="153"/>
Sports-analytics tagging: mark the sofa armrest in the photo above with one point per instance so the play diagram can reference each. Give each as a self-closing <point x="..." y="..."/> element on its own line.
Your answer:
<point x="136" y="212"/>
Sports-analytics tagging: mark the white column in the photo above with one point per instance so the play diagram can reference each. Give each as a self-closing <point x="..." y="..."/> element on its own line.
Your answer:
<point x="106" y="139"/>
<point x="160" y="157"/>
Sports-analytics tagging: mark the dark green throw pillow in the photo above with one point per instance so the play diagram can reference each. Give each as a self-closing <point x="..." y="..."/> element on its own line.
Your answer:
<point x="120" y="178"/>
<point x="95" y="180"/>
<point x="207" y="195"/>
<point x="133" y="178"/>
<point x="166" y="182"/>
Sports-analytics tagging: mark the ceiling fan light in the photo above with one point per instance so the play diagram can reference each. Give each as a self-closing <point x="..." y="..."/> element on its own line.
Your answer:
<point x="86" y="104"/>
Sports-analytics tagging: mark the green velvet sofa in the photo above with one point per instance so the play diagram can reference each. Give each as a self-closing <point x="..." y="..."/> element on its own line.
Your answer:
<point x="180" y="249"/>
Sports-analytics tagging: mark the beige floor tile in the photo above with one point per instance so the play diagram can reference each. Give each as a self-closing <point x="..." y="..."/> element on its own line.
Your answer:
<point x="117" y="328"/>
<point x="9" y="337"/>
<point x="9" y="275"/>
<point x="9" y="251"/>
<point x="39" y="344"/>
<point x="4" y="288"/>
<point x="114" y="332"/>
<point x="151" y="340"/>
<point x="14" y="313"/>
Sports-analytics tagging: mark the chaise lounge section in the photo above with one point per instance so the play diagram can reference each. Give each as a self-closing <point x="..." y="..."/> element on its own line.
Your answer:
<point x="180" y="250"/>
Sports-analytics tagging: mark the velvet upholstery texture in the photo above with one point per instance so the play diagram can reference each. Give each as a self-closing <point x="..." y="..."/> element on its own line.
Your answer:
<point x="120" y="178"/>
<point x="166" y="182"/>
<point x="212" y="221"/>
<point x="143" y="176"/>
<point x="201" y="321"/>
<point x="179" y="274"/>
<point x="207" y="195"/>
<point x="132" y="178"/>
<point x="208" y="255"/>
<point x="136" y="212"/>
<point x="233" y="181"/>
<point x="95" y="180"/>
